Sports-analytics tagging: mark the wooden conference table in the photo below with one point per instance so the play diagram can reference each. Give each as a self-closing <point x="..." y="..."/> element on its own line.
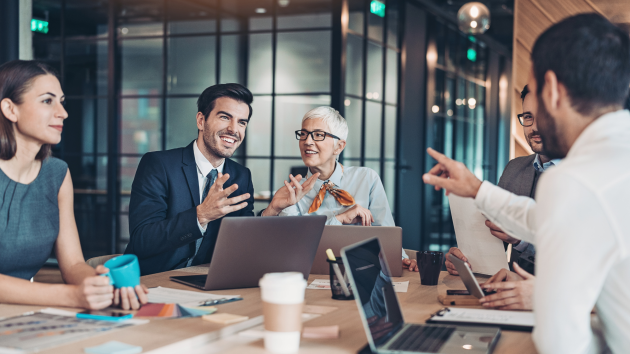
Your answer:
<point x="194" y="335"/>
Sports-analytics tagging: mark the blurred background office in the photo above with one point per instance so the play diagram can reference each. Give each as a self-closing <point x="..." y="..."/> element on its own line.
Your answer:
<point x="401" y="72"/>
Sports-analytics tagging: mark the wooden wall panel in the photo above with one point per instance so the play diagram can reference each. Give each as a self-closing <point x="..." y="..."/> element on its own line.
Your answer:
<point x="522" y="65"/>
<point x="531" y="18"/>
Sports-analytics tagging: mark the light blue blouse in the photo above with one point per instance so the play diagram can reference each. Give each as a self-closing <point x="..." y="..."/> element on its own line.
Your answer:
<point x="362" y="183"/>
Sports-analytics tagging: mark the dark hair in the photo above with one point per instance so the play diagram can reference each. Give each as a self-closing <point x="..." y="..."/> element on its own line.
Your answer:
<point x="205" y="103"/>
<point x="16" y="77"/>
<point x="524" y="93"/>
<point x="590" y="56"/>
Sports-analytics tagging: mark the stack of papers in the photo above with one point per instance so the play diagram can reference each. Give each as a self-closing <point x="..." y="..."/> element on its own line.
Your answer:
<point x="485" y="252"/>
<point x="173" y="311"/>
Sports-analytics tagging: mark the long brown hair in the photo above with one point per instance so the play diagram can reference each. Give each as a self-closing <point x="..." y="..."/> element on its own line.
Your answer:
<point x="16" y="77"/>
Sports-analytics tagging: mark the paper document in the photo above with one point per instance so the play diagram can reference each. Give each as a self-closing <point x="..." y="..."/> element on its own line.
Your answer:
<point x="485" y="252"/>
<point x="183" y="297"/>
<point x="48" y="328"/>
<point x="324" y="284"/>
<point x="490" y="317"/>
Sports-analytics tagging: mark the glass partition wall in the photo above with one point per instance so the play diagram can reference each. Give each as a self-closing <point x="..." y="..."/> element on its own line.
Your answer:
<point x="132" y="71"/>
<point x="457" y="122"/>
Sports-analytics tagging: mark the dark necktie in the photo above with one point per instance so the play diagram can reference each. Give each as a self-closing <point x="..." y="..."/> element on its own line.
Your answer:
<point x="210" y="178"/>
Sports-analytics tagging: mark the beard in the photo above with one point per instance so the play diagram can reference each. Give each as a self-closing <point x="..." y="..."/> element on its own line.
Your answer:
<point x="536" y="147"/>
<point x="213" y="143"/>
<point x="552" y="140"/>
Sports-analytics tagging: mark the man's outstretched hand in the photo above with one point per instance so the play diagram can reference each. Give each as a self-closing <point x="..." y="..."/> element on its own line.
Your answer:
<point x="452" y="176"/>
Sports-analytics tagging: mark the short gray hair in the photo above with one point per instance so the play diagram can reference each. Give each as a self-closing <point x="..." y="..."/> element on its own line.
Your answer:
<point x="336" y="123"/>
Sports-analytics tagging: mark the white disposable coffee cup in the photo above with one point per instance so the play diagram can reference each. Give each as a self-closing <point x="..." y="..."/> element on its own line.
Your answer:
<point x="283" y="298"/>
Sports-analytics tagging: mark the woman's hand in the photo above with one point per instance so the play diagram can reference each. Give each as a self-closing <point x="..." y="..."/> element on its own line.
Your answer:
<point x="290" y="194"/>
<point x="410" y="264"/>
<point x="356" y="214"/>
<point x="127" y="298"/>
<point x="94" y="293"/>
<point x="130" y="298"/>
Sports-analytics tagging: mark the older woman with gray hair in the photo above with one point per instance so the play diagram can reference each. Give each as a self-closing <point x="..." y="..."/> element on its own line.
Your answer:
<point x="347" y="195"/>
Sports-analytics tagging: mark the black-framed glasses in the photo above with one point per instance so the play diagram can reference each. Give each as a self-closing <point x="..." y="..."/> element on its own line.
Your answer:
<point x="526" y="119"/>
<point x="316" y="135"/>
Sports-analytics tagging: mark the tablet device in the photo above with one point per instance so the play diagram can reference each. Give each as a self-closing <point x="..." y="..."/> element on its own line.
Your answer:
<point x="467" y="277"/>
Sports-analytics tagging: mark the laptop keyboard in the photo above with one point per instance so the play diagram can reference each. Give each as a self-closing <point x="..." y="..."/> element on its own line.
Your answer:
<point x="427" y="339"/>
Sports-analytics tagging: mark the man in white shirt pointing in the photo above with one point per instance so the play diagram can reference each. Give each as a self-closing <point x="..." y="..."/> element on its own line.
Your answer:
<point x="581" y="221"/>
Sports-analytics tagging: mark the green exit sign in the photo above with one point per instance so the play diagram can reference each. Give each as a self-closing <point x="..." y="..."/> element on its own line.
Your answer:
<point x="377" y="8"/>
<point x="39" y="26"/>
<point x="471" y="55"/>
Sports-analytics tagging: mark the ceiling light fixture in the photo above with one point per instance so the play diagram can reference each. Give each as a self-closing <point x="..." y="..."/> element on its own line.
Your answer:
<point x="473" y="18"/>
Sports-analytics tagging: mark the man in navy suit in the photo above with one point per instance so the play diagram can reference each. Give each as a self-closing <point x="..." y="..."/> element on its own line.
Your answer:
<point x="178" y="197"/>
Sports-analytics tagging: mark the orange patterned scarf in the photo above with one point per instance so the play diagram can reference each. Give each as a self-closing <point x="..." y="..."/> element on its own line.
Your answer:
<point x="344" y="198"/>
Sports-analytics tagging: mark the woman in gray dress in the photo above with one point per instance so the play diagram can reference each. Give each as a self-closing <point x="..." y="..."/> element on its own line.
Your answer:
<point x="36" y="199"/>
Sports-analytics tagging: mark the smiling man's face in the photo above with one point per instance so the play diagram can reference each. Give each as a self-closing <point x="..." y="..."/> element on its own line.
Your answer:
<point x="224" y="128"/>
<point x="530" y="105"/>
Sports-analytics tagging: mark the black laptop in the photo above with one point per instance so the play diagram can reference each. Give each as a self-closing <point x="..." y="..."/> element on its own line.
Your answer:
<point x="382" y="318"/>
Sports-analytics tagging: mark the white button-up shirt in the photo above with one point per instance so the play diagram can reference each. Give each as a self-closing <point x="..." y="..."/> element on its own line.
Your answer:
<point x="203" y="168"/>
<point x="581" y="228"/>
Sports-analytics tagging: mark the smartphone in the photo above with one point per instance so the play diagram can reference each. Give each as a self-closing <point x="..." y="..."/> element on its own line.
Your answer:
<point x="104" y="315"/>
<point x="457" y="292"/>
<point x="466" y="292"/>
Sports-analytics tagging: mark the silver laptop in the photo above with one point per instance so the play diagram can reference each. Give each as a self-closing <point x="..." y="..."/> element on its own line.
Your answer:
<point x="382" y="318"/>
<point x="335" y="237"/>
<point x="249" y="247"/>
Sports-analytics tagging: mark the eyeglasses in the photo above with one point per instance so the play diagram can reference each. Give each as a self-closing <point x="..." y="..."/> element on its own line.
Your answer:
<point x="316" y="135"/>
<point x="526" y="119"/>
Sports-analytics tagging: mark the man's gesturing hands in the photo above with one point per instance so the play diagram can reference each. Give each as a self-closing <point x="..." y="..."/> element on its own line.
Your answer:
<point x="217" y="204"/>
<point x="451" y="175"/>
<point x="290" y="194"/>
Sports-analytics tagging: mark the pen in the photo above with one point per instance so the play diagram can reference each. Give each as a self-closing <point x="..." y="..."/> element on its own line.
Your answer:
<point x="219" y="301"/>
<point x="342" y="282"/>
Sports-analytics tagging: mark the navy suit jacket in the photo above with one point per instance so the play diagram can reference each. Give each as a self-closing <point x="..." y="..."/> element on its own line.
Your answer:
<point x="163" y="210"/>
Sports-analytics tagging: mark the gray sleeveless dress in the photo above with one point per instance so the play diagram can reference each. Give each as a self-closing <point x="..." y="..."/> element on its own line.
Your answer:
<point x="29" y="219"/>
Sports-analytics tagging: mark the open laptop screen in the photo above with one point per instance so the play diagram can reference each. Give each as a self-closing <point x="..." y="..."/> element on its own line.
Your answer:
<point x="375" y="290"/>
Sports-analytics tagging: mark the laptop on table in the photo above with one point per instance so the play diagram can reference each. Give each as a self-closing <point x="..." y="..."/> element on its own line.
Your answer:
<point x="336" y="237"/>
<point x="382" y="318"/>
<point x="249" y="247"/>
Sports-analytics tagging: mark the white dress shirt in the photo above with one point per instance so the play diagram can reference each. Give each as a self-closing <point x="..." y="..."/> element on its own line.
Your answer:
<point x="203" y="168"/>
<point x="540" y="167"/>
<point x="581" y="228"/>
<point x="363" y="184"/>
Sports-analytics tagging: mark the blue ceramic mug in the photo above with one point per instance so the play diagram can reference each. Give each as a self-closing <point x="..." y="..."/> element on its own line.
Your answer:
<point x="124" y="271"/>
